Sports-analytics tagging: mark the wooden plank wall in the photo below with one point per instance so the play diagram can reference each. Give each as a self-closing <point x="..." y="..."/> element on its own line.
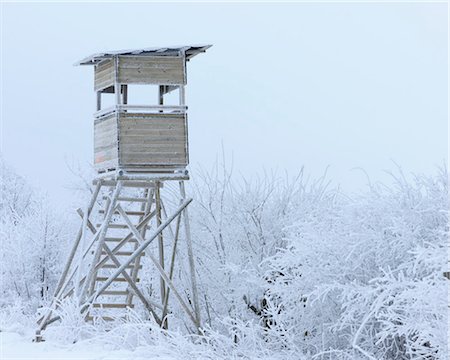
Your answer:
<point x="104" y="75"/>
<point x="153" y="140"/>
<point x="162" y="70"/>
<point x="106" y="153"/>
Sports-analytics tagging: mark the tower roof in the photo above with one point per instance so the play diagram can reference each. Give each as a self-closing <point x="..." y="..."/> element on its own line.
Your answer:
<point x="189" y="50"/>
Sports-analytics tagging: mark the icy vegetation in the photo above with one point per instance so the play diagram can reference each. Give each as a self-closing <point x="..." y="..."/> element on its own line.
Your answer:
<point x="287" y="269"/>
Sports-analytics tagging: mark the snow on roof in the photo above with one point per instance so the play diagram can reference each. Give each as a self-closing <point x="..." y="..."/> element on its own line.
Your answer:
<point x="190" y="51"/>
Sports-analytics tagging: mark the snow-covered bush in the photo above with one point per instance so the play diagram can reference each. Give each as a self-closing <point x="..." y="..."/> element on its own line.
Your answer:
<point x="237" y="225"/>
<point x="363" y="275"/>
<point x="34" y="239"/>
<point x="287" y="268"/>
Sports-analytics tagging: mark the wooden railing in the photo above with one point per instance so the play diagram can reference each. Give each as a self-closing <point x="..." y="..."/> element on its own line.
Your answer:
<point x="151" y="109"/>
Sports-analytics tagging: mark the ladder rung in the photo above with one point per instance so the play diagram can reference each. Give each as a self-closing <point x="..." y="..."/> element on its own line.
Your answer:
<point x="117" y="279"/>
<point x="133" y="199"/>
<point x="117" y="226"/>
<point x="114" y="266"/>
<point x="131" y="213"/>
<point x="120" y="253"/>
<point x="112" y="306"/>
<point x="118" y="239"/>
<point x="114" y="292"/>
<point x="105" y="318"/>
<point x="129" y="199"/>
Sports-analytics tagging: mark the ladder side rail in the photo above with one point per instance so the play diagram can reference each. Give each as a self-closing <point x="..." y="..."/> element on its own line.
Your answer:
<point x="144" y="245"/>
<point x="114" y="250"/>
<point x="101" y="239"/>
<point x="191" y="257"/>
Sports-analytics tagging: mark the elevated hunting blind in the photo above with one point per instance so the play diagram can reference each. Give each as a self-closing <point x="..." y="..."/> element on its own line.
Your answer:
<point x="141" y="137"/>
<point x="127" y="231"/>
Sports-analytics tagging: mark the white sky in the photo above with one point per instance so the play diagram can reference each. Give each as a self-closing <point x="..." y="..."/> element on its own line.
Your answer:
<point x="285" y="85"/>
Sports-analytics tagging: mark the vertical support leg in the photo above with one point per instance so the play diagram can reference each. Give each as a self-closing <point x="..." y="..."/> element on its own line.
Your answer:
<point x="62" y="280"/>
<point x="101" y="240"/>
<point x="106" y="208"/>
<point x="125" y="94"/>
<point x="161" y="95"/>
<point x="182" y="99"/>
<point x="171" y="271"/>
<point x="117" y="87"/>
<point x="81" y="260"/>
<point x="146" y="208"/>
<point x="191" y="257"/>
<point x="99" y="100"/>
<point x="160" y="236"/>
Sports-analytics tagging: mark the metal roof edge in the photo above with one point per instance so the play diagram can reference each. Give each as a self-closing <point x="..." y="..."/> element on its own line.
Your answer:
<point x="95" y="58"/>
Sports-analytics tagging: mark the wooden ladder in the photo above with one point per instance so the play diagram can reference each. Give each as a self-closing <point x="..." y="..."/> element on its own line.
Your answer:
<point x="103" y="267"/>
<point x="110" y="304"/>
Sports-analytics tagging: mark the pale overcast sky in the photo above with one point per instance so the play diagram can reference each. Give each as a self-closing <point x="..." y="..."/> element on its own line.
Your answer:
<point x="284" y="85"/>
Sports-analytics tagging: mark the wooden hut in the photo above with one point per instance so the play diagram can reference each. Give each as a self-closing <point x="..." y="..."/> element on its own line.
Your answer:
<point x="144" y="138"/>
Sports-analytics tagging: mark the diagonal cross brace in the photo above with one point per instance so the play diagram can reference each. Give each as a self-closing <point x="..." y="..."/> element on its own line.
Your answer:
<point x="114" y="250"/>
<point x="147" y="303"/>
<point x="156" y="262"/>
<point x="101" y="239"/>
<point x="144" y="244"/>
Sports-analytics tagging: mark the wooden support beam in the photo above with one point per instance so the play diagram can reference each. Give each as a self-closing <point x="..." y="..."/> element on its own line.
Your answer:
<point x="146" y="208"/>
<point x="144" y="245"/>
<point x="191" y="258"/>
<point x="62" y="280"/>
<point x="99" y="100"/>
<point x="115" y="249"/>
<point x="125" y="94"/>
<point x="172" y="268"/>
<point x="116" y="81"/>
<point x="160" y="237"/>
<point x="127" y="278"/>
<point x="132" y="284"/>
<point x="101" y="240"/>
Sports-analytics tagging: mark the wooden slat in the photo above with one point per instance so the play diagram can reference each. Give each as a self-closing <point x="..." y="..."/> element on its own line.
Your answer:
<point x="118" y="279"/>
<point x="154" y="140"/>
<point x="121" y="253"/>
<point x="149" y="158"/>
<point x="129" y="184"/>
<point x="114" y="266"/>
<point x="104" y="75"/>
<point x="118" y="239"/>
<point x="115" y="292"/>
<point x="105" y="142"/>
<point x="114" y="226"/>
<point x="133" y="199"/>
<point x="131" y="213"/>
<point x="168" y="70"/>
<point x="112" y="306"/>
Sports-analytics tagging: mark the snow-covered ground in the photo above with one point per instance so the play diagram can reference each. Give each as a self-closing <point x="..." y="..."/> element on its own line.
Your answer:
<point x="16" y="346"/>
<point x="287" y="270"/>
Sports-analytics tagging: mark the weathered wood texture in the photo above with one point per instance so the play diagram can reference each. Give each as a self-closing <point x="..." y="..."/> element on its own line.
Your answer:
<point x="161" y="70"/>
<point x="140" y="140"/>
<point x="104" y="75"/>
<point x="106" y="154"/>
<point x="152" y="140"/>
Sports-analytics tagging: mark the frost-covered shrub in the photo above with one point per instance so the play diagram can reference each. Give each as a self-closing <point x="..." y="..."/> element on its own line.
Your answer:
<point x="236" y="226"/>
<point x="33" y="242"/>
<point x="363" y="276"/>
<point x="286" y="268"/>
<point x="145" y="338"/>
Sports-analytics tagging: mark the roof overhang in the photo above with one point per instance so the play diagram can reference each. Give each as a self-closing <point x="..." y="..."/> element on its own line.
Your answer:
<point x="190" y="51"/>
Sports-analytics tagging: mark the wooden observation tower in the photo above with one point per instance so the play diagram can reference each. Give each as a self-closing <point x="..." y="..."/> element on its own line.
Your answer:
<point x="132" y="236"/>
